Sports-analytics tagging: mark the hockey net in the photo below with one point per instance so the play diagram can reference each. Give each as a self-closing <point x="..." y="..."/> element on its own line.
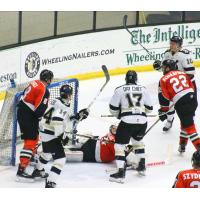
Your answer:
<point x="9" y="129"/>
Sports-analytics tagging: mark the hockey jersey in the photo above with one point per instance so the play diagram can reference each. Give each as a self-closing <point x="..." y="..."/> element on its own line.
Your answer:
<point x="130" y="103"/>
<point x="188" y="179"/>
<point x="183" y="59"/>
<point x="174" y="85"/>
<point x="105" y="151"/>
<point x="36" y="97"/>
<point x="56" y="120"/>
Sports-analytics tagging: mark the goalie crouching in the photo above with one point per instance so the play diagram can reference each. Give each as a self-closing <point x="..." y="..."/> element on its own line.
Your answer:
<point x="56" y="122"/>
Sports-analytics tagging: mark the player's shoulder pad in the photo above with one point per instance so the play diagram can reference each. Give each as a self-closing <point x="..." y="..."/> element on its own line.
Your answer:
<point x="119" y="87"/>
<point x="185" y="51"/>
<point x="168" y="50"/>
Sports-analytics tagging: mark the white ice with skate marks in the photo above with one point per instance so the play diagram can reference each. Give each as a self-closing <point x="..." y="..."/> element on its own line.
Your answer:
<point x="159" y="147"/>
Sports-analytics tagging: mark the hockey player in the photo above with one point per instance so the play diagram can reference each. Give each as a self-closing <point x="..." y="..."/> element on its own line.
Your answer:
<point x="177" y="87"/>
<point x="130" y="103"/>
<point x="183" y="58"/>
<point x="190" y="178"/>
<point x="101" y="150"/>
<point x="30" y="110"/>
<point x="56" y="123"/>
<point x="95" y="149"/>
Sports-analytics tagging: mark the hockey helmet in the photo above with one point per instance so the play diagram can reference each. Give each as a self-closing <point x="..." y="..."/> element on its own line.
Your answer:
<point x="196" y="158"/>
<point x="66" y="91"/>
<point x="169" y="65"/>
<point x="177" y="39"/>
<point x="131" y="77"/>
<point x="46" y="75"/>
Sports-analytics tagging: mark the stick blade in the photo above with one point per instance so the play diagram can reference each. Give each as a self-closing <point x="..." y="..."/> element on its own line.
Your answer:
<point x="106" y="73"/>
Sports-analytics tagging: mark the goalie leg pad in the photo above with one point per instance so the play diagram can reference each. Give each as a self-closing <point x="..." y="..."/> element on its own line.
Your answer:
<point x="74" y="156"/>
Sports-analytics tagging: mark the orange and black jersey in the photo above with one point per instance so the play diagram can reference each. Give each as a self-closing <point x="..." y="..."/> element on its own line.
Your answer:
<point x="188" y="179"/>
<point x="173" y="86"/>
<point x="36" y="97"/>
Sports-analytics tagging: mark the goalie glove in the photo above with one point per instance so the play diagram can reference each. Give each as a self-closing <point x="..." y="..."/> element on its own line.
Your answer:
<point x="157" y="65"/>
<point x="81" y="115"/>
<point x="162" y="113"/>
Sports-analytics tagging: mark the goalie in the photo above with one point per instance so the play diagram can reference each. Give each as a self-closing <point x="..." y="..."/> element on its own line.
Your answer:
<point x="56" y="122"/>
<point x="101" y="150"/>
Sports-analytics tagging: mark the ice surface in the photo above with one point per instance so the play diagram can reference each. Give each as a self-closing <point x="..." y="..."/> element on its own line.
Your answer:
<point x="158" y="145"/>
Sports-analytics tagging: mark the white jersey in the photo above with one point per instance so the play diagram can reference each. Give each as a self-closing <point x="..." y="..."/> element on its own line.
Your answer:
<point x="131" y="103"/>
<point x="55" y="121"/>
<point x="183" y="59"/>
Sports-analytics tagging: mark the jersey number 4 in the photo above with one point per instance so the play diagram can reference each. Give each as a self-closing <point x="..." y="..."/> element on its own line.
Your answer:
<point x="134" y="99"/>
<point x="48" y="115"/>
<point x="179" y="83"/>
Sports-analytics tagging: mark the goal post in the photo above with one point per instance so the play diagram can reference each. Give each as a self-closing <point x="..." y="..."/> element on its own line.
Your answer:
<point x="9" y="129"/>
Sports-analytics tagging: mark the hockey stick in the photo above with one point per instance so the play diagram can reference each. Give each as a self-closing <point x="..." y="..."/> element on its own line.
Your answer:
<point x="125" y="26"/>
<point x="158" y="120"/>
<point x="114" y="116"/>
<point x="106" y="74"/>
<point x="165" y="162"/>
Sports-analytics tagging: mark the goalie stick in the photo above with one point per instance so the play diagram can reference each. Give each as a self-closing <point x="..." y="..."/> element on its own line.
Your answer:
<point x="114" y="116"/>
<point x="125" y="26"/>
<point x="107" y="76"/>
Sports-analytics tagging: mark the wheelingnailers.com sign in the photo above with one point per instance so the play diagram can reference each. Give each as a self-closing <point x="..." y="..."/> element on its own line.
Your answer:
<point x="85" y="54"/>
<point x="156" y="40"/>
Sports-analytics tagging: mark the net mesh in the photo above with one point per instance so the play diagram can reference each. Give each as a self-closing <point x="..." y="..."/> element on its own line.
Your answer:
<point x="9" y="130"/>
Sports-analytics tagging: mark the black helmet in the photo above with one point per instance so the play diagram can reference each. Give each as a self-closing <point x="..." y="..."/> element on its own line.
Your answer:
<point x="177" y="39"/>
<point x="196" y="158"/>
<point x="65" y="91"/>
<point x="46" y="75"/>
<point x="169" y="63"/>
<point x="131" y="77"/>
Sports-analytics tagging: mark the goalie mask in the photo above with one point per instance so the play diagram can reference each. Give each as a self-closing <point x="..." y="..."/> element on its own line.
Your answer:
<point x="113" y="129"/>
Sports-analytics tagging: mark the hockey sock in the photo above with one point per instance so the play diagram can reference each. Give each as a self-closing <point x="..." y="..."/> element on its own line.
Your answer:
<point x="56" y="169"/>
<point x="120" y="155"/>
<point x="27" y="152"/>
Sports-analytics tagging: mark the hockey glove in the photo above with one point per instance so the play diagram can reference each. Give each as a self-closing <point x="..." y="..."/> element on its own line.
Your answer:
<point x="64" y="139"/>
<point x="82" y="114"/>
<point x="162" y="113"/>
<point x="157" y="65"/>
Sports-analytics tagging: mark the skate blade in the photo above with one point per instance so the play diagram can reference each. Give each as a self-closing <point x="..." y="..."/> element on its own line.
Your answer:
<point x="24" y="180"/>
<point x="40" y="178"/>
<point x="119" y="180"/>
<point x="142" y="173"/>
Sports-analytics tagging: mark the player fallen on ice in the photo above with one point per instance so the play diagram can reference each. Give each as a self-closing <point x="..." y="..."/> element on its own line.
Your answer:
<point x="56" y="123"/>
<point x="130" y="103"/>
<point x="30" y="109"/>
<point x="183" y="58"/>
<point x="189" y="178"/>
<point x="99" y="149"/>
<point x="175" y="86"/>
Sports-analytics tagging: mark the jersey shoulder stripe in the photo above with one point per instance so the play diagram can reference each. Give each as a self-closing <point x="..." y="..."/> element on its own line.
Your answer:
<point x="168" y="50"/>
<point x="120" y="86"/>
<point x="185" y="51"/>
